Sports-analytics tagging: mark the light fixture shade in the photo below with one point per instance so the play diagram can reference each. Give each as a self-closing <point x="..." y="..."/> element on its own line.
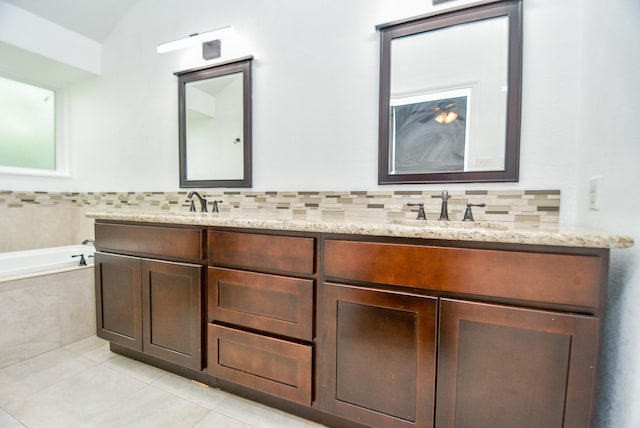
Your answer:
<point x="194" y="39"/>
<point x="446" y="117"/>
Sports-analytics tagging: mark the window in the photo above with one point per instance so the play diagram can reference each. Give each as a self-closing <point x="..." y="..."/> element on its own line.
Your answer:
<point x="28" y="129"/>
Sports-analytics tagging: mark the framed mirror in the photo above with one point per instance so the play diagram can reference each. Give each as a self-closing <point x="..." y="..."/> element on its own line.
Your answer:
<point x="215" y="125"/>
<point x="450" y="91"/>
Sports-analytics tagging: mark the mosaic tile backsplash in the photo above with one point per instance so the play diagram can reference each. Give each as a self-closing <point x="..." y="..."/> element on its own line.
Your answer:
<point x="531" y="206"/>
<point x="31" y="220"/>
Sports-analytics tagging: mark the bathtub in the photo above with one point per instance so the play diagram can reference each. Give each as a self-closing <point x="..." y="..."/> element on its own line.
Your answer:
<point x="47" y="301"/>
<point x="20" y="264"/>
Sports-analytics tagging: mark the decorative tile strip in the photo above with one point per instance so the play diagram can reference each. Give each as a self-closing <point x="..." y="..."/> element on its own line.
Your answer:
<point x="530" y="206"/>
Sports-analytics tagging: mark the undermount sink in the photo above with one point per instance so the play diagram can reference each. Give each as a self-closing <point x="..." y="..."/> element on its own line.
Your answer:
<point x="453" y="224"/>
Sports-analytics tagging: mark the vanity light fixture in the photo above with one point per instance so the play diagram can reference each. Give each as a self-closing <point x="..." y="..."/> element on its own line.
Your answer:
<point x="205" y="38"/>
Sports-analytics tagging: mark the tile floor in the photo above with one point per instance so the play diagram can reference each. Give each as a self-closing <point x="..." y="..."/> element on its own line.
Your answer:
<point x="86" y="385"/>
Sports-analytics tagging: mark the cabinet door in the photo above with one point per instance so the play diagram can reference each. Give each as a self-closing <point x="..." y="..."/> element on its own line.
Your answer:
<point x="505" y="367"/>
<point x="378" y="356"/>
<point x="118" y="300"/>
<point x="172" y="312"/>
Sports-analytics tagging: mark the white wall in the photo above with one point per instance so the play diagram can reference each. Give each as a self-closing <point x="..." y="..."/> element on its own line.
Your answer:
<point x="50" y="40"/>
<point x="315" y="98"/>
<point x="609" y="147"/>
<point x="315" y="95"/>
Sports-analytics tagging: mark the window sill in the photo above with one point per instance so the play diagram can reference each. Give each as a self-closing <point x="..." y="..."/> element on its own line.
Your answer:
<point x="30" y="172"/>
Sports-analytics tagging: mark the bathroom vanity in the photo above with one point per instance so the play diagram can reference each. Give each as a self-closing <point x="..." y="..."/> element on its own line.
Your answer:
<point x="363" y="324"/>
<point x="149" y="290"/>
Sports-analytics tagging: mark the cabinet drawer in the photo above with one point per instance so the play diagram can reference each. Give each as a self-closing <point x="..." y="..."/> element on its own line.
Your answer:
<point x="253" y="251"/>
<point x="172" y="242"/>
<point x="263" y="363"/>
<point x="276" y="304"/>
<point x="549" y="278"/>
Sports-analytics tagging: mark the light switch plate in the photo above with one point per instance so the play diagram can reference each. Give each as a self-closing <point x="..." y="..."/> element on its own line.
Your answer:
<point x="594" y="193"/>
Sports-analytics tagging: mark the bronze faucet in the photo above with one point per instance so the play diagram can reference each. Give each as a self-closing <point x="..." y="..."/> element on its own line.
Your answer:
<point x="468" y="215"/>
<point x="421" y="214"/>
<point x="203" y="202"/>
<point x="444" y="210"/>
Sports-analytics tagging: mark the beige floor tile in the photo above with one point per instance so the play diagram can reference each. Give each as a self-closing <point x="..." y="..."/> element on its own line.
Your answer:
<point x="217" y="420"/>
<point x="133" y="368"/>
<point x="256" y="415"/>
<point x="195" y="392"/>
<point x="22" y="380"/>
<point x="8" y="421"/>
<point x="154" y="408"/>
<point x="90" y="398"/>
<point x="74" y="387"/>
<point x="310" y="424"/>
<point x="86" y="345"/>
<point x="93" y="348"/>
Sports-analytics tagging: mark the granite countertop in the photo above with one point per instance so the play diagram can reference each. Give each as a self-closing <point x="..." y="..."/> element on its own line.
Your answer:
<point x="454" y="230"/>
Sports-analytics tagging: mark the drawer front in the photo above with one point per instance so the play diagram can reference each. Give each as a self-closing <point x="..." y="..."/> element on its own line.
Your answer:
<point x="549" y="278"/>
<point x="276" y="304"/>
<point x="173" y="242"/>
<point x="253" y="251"/>
<point x="263" y="363"/>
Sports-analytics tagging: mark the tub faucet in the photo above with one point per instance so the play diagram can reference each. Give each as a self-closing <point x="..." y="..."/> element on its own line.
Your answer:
<point x="83" y="262"/>
<point x="203" y="202"/>
<point x="444" y="211"/>
<point x="89" y="242"/>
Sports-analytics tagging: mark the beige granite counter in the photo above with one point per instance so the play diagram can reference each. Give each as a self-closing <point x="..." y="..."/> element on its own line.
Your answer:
<point x="455" y="230"/>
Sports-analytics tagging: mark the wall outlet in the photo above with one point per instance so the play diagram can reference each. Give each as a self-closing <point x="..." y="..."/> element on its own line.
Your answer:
<point x="594" y="193"/>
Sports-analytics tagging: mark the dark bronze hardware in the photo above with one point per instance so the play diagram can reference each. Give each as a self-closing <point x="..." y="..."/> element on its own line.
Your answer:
<point x="83" y="262"/>
<point x="468" y="215"/>
<point x="203" y="202"/>
<point x="444" y="211"/>
<point x="421" y="214"/>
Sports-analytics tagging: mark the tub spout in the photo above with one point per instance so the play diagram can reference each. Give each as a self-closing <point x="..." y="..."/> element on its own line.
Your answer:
<point x="89" y="242"/>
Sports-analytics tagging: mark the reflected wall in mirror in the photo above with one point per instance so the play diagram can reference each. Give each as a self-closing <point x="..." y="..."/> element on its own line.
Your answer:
<point x="450" y="87"/>
<point x="215" y="125"/>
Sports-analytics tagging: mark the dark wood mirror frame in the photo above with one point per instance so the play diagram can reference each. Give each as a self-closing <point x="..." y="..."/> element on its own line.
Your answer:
<point x="242" y="65"/>
<point x="485" y="10"/>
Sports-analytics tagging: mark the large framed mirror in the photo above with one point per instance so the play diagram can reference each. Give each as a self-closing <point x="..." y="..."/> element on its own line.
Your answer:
<point x="450" y="91"/>
<point x="215" y="125"/>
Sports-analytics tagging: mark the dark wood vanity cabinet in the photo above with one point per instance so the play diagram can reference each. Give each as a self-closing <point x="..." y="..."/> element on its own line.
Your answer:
<point x="147" y="304"/>
<point x="119" y="299"/>
<point x="424" y="335"/>
<point x="502" y="366"/>
<point x="379" y="356"/>
<point x="261" y="312"/>
<point x="171" y="312"/>
<point x="363" y="331"/>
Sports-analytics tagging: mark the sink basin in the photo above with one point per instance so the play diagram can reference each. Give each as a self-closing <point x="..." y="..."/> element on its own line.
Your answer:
<point x="448" y="224"/>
